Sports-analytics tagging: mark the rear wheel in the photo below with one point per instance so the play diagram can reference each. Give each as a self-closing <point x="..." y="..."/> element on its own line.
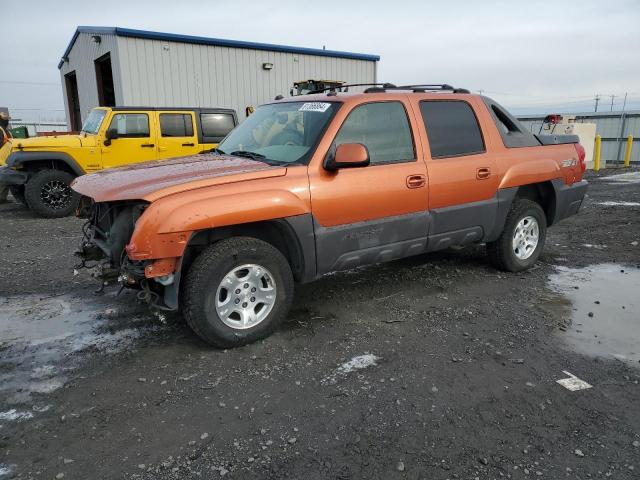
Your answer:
<point x="48" y="193"/>
<point x="522" y="238"/>
<point x="237" y="291"/>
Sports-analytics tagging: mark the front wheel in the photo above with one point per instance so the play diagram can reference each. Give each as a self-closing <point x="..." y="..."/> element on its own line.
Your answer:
<point x="237" y="291"/>
<point x="522" y="238"/>
<point x="48" y="193"/>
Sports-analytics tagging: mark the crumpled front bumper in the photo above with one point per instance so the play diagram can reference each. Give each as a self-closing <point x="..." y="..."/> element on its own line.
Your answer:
<point x="9" y="176"/>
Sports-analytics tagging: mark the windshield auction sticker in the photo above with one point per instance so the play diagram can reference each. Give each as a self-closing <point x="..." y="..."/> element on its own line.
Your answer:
<point x="314" y="107"/>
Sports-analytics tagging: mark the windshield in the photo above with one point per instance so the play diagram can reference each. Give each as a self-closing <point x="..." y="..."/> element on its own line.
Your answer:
<point x="93" y="121"/>
<point x="280" y="133"/>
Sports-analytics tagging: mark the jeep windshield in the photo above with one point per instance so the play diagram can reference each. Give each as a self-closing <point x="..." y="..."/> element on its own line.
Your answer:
<point x="280" y="133"/>
<point x="93" y="121"/>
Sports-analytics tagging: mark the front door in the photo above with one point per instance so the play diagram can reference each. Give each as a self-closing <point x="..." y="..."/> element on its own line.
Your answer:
<point x="135" y="140"/>
<point x="177" y="135"/>
<point x="375" y="213"/>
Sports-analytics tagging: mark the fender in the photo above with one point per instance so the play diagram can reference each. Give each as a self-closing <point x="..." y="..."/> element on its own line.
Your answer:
<point x="20" y="158"/>
<point x="164" y="230"/>
<point x="524" y="173"/>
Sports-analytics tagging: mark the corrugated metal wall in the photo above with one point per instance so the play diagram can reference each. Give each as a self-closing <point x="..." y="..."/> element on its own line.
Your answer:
<point x="81" y="60"/>
<point x="163" y="73"/>
<point x="613" y="127"/>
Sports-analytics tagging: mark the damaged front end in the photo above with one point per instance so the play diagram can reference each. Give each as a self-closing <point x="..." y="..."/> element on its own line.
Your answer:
<point x="103" y="250"/>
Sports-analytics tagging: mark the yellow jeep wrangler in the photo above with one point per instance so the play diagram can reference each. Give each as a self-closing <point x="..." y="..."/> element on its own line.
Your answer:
<point x="39" y="170"/>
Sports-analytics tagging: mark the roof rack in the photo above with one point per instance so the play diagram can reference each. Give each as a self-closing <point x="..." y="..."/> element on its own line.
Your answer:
<point x="383" y="87"/>
<point x="347" y="85"/>
<point x="433" y="87"/>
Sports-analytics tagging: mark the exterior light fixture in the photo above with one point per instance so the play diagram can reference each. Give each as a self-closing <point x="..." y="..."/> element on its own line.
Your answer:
<point x="267" y="66"/>
<point x="96" y="38"/>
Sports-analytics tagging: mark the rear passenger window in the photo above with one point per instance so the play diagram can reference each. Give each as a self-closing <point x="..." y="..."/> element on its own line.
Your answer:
<point x="176" y="125"/>
<point x="383" y="128"/>
<point x="215" y="126"/>
<point x="452" y="128"/>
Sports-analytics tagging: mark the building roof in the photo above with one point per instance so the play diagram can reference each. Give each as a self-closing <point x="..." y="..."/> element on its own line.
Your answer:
<point x="221" y="42"/>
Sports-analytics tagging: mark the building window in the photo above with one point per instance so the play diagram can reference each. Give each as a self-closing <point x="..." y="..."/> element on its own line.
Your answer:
<point x="452" y="128"/>
<point x="176" y="125"/>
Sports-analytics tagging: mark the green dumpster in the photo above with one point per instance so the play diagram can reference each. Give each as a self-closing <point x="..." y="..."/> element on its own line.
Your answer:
<point x="19" y="132"/>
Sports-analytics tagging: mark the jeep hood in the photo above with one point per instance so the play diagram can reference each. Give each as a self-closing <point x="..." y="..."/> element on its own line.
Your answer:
<point x="48" y="142"/>
<point x="153" y="180"/>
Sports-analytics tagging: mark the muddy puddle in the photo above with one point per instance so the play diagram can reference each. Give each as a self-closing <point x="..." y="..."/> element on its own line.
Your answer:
<point x="44" y="339"/>
<point x="605" y="311"/>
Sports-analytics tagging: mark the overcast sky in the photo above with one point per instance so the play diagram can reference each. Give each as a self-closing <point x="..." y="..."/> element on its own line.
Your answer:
<point x="531" y="56"/>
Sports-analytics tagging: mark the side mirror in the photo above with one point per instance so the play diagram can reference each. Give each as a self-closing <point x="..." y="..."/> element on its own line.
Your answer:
<point x="347" y="155"/>
<point x="110" y="134"/>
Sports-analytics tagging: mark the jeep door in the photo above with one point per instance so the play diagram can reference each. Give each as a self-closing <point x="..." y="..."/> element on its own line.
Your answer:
<point x="177" y="134"/>
<point x="135" y="139"/>
<point x="374" y="213"/>
<point x="463" y="177"/>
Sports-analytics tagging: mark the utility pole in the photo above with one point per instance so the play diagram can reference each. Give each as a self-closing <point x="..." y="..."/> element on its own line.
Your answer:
<point x="612" y="97"/>
<point x="597" y="99"/>
<point x="624" y="104"/>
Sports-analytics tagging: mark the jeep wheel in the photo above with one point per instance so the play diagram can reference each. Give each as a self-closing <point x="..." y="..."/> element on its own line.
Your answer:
<point x="522" y="238"/>
<point x="17" y="192"/>
<point x="49" y="195"/>
<point x="237" y="291"/>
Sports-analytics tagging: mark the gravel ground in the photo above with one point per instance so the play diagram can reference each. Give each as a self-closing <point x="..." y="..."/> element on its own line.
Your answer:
<point x="432" y="367"/>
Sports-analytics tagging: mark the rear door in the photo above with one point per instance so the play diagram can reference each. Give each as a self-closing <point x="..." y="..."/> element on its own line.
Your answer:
<point x="136" y="141"/>
<point x="463" y="177"/>
<point x="375" y="213"/>
<point x="177" y="137"/>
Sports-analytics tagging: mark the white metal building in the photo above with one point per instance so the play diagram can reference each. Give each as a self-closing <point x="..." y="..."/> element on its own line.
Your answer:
<point x="114" y="66"/>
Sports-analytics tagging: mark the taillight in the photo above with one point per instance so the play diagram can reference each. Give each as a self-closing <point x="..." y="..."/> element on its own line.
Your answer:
<point x="581" y="156"/>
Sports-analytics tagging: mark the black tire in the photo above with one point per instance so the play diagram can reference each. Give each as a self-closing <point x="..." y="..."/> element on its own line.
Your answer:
<point x="206" y="275"/>
<point x="17" y="192"/>
<point x="49" y="195"/>
<point x="501" y="252"/>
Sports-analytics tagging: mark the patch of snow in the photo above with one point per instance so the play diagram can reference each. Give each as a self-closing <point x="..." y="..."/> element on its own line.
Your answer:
<point x="631" y="177"/>
<point x="13" y="414"/>
<point x="6" y="470"/>
<point x="107" y="342"/>
<point x="620" y="204"/>
<point x="597" y="247"/>
<point x="356" y="363"/>
<point x="41" y="409"/>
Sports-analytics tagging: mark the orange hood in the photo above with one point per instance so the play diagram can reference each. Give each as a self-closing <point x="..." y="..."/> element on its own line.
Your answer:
<point x="152" y="180"/>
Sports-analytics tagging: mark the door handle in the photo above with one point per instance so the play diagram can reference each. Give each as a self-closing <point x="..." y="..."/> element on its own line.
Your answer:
<point x="188" y="144"/>
<point x="483" y="173"/>
<point x="147" y="145"/>
<point x="416" y="181"/>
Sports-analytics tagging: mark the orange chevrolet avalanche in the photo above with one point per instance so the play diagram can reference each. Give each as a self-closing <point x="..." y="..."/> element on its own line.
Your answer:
<point x="314" y="184"/>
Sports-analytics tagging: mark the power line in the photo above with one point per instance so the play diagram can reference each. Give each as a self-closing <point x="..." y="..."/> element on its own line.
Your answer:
<point x="18" y="82"/>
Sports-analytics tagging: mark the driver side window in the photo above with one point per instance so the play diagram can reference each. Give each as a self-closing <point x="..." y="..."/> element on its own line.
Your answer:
<point x="130" y="125"/>
<point x="382" y="127"/>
